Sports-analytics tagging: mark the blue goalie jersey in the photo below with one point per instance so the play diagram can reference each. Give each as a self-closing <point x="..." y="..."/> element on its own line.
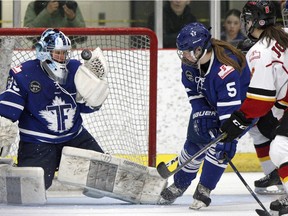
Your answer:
<point x="46" y="111"/>
<point x="222" y="87"/>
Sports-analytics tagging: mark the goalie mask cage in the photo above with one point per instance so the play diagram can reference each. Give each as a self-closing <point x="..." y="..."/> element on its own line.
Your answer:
<point x="125" y="126"/>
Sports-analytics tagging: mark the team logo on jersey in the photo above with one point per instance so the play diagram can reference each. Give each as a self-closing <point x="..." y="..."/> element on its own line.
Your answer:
<point x="35" y="86"/>
<point x="59" y="115"/>
<point x="254" y="55"/>
<point x="225" y="70"/>
<point x="189" y="75"/>
<point x="17" y="69"/>
<point x="12" y="84"/>
<point x="9" y="82"/>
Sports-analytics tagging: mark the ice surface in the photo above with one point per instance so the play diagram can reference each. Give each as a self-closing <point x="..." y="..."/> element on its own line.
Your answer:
<point x="230" y="197"/>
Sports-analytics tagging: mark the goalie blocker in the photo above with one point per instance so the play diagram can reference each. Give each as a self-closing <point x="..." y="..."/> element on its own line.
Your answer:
<point x="8" y="135"/>
<point x="103" y="174"/>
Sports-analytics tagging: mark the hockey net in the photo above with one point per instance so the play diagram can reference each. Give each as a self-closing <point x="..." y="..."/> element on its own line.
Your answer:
<point x="126" y="124"/>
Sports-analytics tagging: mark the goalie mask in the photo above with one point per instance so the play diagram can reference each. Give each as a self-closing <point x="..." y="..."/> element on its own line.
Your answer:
<point x="192" y="42"/>
<point x="53" y="51"/>
<point x="260" y="13"/>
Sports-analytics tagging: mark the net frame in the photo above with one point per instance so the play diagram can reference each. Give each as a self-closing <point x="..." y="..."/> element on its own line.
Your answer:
<point x="133" y="33"/>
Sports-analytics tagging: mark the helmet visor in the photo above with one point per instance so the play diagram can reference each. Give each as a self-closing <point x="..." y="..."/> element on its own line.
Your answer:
<point x="191" y="57"/>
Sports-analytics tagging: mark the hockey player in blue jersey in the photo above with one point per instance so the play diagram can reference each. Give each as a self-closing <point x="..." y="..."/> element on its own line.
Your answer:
<point x="41" y="96"/>
<point x="216" y="78"/>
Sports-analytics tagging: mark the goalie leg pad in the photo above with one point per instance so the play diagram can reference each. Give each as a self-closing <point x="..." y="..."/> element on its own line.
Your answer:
<point x="92" y="193"/>
<point x="22" y="185"/>
<point x="110" y="176"/>
<point x="8" y="161"/>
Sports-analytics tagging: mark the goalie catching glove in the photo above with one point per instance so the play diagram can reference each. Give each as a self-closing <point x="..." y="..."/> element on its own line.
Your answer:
<point x="90" y="80"/>
<point x="8" y="134"/>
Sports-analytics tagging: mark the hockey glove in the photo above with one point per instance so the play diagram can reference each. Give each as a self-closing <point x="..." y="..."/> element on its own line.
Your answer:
<point x="235" y="126"/>
<point x="205" y="121"/>
<point x="283" y="128"/>
<point x="224" y="150"/>
<point x="267" y="125"/>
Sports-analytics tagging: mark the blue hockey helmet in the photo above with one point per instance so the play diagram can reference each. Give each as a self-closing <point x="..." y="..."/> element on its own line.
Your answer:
<point x="195" y="38"/>
<point x="261" y="13"/>
<point x="54" y="40"/>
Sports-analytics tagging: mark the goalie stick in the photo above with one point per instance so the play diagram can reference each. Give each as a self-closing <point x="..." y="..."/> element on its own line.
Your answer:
<point x="163" y="170"/>
<point x="260" y="212"/>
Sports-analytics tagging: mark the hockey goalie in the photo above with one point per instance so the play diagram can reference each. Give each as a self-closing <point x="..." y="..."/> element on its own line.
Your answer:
<point x="42" y="104"/>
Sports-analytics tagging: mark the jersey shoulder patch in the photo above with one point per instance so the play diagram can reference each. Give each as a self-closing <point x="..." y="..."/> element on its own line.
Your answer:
<point x="225" y="70"/>
<point x="17" y="69"/>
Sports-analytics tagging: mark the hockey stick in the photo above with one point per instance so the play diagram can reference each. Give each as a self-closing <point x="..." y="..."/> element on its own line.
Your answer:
<point x="259" y="211"/>
<point x="171" y="162"/>
<point x="165" y="173"/>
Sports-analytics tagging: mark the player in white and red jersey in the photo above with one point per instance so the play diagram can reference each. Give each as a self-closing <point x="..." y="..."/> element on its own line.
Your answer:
<point x="268" y="63"/>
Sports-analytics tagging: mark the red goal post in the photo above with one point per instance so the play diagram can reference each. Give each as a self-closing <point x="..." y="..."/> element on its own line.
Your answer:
<point x="126" y="124"/>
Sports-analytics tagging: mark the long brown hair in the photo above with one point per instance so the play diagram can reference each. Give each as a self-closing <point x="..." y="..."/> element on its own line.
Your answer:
<point x="219" y="46"/>
<point x="277" y="33"/>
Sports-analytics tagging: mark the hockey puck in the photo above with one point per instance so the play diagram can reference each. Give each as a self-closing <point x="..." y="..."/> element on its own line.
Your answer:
<point x="86" y="54"/>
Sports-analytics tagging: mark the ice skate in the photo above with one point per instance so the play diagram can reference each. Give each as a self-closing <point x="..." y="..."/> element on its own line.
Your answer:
<point x="269" y="184"/>
<point x="280" y="205"/>
<point x="170" y="194"/>
<point x="201" y="197"/>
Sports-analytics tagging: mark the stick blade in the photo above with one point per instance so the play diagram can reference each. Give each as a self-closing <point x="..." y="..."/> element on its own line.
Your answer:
<point x="163" y="170"/>
<point x="261" y="212"/>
